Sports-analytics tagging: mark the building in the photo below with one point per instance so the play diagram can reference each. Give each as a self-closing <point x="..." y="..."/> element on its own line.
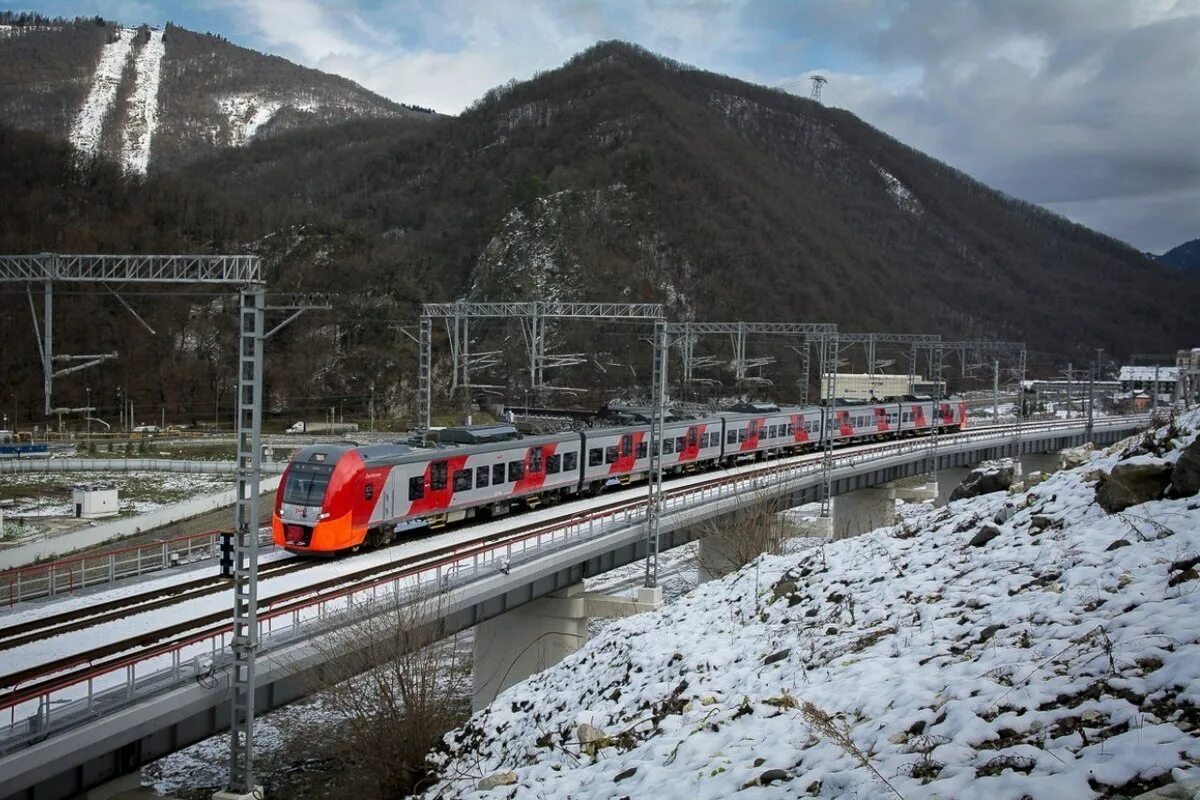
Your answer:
<point x="1143" y="379"/>
<point x="93" y="501"/>
<point x="864" y="386"/>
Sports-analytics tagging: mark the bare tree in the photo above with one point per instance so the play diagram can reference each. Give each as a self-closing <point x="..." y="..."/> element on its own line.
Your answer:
<point x="733" y="541"/>
<point x="395" y="686"/>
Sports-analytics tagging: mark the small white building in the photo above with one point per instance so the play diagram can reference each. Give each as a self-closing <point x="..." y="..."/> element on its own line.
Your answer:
<point x="1142" y="379"/>
<point x="93" y="501"/>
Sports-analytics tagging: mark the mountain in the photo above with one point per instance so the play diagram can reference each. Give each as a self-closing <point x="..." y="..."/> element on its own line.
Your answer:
<point x="622" y="176"/>
<point x="1184" y="257"/>
<point x="159" y="98"/>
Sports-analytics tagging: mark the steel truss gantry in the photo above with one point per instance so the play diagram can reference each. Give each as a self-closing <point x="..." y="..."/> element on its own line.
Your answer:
<point x="667" y="334"/>
<point x="870" y="341"/>
<point x="50" y="268"/>
<point x="532" y="316"/>
<point x="808" y="332"/>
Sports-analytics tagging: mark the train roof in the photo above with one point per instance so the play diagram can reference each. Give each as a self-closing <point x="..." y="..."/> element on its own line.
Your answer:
<point x="388" y="454"/>
<point x="479" y="434"/>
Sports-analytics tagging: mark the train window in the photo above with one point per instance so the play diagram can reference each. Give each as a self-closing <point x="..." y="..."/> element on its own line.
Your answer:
<point x="668" y="445"/>
<point x="535" y="459"/>
<point x="627" y="445"/>
<point x="516" y="470"/>
<point x="497" y="474"/>
<point x="610" y="454"/>
<point x="733" y="437"/>
<point x="791" y="429"/>
<point x="368" y="492"/>
<point x="741" y="435"/>
<point x="773" y="431"/>
<point x="553" y="464"/>
<point x="481" y="477"/>
<point x="570" y="461"/>
<point x="680" y="443"/>
<point x="437" y="475"/>
<point x="595" y="457"/>
<point x="643" y="450"/>
<point x="416" y="487"/>
<point x="462" y="480"/>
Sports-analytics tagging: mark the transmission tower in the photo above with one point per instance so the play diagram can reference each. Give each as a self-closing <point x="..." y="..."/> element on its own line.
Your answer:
<point x="817" y="82"/>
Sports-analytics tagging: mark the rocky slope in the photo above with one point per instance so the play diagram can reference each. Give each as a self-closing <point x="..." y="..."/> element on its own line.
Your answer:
<point x="1026" y="645"/>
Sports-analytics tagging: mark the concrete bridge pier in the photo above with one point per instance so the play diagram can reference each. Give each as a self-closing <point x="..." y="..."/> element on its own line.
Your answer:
<point x="519" y="643"/>
<point x="856" y="513"/>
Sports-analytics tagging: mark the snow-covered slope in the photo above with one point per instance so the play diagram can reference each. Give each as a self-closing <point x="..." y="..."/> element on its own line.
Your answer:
<point x="86" y="133"/>
<point x="1008" y="646"/>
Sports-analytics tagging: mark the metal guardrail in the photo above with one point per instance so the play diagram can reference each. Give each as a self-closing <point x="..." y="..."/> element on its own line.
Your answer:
<point x="179" y="465"/>
<point x="89" y="570"/>
<point x="35" y="714"/>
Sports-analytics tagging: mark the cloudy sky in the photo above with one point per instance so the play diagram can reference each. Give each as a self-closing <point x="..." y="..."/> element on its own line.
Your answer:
<point x="1088" y="107"/>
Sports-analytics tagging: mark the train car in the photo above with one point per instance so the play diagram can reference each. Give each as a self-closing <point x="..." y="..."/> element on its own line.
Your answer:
<point x="337" y="497"/>
<point x="916" y="416"/>
<point x="623" y="454"/>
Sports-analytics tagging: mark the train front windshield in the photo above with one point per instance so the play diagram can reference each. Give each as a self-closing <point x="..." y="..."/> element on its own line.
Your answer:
<point x="306" y="484"/>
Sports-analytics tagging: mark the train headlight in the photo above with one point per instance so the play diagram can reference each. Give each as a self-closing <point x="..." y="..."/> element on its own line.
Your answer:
<point x="323" y="515"/>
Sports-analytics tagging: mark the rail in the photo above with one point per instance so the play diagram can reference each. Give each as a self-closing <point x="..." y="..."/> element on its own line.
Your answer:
<point x="65" y="575"/>
<point x="36" y="712"/>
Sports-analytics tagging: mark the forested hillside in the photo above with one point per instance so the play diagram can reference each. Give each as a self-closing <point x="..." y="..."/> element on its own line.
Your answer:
<point x="619" y="176"/>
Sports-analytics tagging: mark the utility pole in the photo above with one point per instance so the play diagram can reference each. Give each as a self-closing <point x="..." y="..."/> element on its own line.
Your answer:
<point x="995" y="390"/>
<point x="1095" y="371"/>
<point x="88" y="414"/>
<point x="1070" y="399"/>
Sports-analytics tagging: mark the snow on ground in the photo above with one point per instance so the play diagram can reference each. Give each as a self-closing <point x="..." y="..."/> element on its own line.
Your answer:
<point x="139" y="492"/>
<point x="905" y="199"/>
<point x="89" y="123"/>
<point x="142" y="113"/>
<point x="246" y="113"/>
<point x="1006" y="646"/>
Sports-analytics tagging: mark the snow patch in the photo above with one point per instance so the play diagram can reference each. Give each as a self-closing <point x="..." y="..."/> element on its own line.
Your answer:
<point x="246" y="114"/>
<point x="905" y="199"/>
<point x="142" y="113"/>
<point x="89" y="123"/>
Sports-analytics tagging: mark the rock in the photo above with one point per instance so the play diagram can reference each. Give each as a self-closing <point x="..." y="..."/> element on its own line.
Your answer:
<point x="1074" y="456"/>
<point x="985" y="535"/>
<point x="984" y="479"/>
<point x="499" y="779"/>
<point x="623" y="774"/>
<point x="1040" y="522"/>
<point x="1129" y="484"/>
<point x="1005" y="514"/>
<point x="589" y="734"/>
<point x="708" y="701"/>
<point x="989" y="632"/>
<point x="779" y="656"/>
<point x="784" y="588"/>
<point x="1034" y="478"/>
<point x="1185" y="477"/>
<point x="772" y="775"/>
<point x="1117" y="545"/>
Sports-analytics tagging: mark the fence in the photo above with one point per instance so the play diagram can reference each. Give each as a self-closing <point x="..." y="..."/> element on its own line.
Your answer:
<point x="118" y="684"/>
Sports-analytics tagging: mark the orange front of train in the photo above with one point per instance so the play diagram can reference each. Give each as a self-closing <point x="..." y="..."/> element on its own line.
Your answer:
<point x="315" y="503"/>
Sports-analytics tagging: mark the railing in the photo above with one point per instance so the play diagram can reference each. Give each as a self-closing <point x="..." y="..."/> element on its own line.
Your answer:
<point x="180" y="465"/>
<point x="92" y="569"/>
<point x="199" y="657"/>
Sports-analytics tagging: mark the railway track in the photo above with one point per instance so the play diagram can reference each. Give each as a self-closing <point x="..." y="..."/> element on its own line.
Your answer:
<point x="99" y="613"/>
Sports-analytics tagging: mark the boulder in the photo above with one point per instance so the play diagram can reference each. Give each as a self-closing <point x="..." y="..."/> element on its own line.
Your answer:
<point x="985" y="535"/>
<point x="1131" y="483"/>
<point x="589" y="734"/>
<point x="1185" y="477"/>
<point x="498" y="779"/>
<point x="984" y="479"/>
<point x="1074" y="456"/>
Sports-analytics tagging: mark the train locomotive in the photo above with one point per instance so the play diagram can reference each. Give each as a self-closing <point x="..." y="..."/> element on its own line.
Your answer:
<point x="338" y="497"/>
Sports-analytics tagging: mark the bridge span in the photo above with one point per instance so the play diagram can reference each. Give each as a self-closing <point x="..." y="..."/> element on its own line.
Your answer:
<point x="64" y="734"/>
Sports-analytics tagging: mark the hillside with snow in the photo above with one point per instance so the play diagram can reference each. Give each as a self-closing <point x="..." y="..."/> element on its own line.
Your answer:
<point x="1027" y="645"/>
<point x="143" y="96"/>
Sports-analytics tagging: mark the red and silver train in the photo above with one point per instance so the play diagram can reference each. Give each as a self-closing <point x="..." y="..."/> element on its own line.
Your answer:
<point x="336" y="497"/>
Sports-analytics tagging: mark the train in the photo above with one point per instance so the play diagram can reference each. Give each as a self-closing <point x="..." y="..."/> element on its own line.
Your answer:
<point x="341" y="496"/>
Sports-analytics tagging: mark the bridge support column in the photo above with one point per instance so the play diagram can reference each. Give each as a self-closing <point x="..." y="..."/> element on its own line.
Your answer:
<point x="856" y="513"/>
<point x="522" y="642"/>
